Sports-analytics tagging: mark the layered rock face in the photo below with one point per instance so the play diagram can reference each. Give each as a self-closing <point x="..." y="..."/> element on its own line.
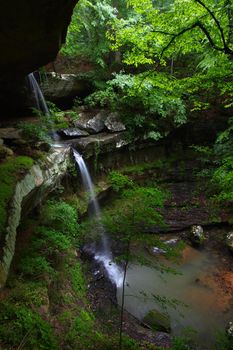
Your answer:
<point x="30" y="190"/>
<point x="31" y="34"/>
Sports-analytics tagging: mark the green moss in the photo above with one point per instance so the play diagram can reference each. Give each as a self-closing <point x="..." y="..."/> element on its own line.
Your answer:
<point x="10" y="172"/>
<point x="139" y="169"/>
<point x="61" y="216"/>
<point x="36" y="266"/>
<point x="157" y="321"/>
<point x="77" y="280"/>
<point x="20" y="326"/>
<point x="29" y="293"/>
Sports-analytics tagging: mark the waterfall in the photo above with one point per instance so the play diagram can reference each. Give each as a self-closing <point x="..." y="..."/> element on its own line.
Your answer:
<point x="41" y="104"/>
<point x="39" y="97"/>
<point x="104" y="254"/>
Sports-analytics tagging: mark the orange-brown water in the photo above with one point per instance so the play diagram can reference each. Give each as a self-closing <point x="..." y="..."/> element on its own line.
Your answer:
<point x="205" y="286"/>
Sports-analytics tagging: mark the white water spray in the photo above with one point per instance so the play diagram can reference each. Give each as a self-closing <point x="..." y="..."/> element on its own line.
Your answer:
<point x="39" y="97"/>
<point x="41" y="103"/>
<point x="104" y="255"/>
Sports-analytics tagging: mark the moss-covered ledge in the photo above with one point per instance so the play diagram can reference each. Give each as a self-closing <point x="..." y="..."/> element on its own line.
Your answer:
<point x="31" y="187"/>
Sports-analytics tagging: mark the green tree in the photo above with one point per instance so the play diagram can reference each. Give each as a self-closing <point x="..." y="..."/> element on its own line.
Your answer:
<point x="87" y="32"/>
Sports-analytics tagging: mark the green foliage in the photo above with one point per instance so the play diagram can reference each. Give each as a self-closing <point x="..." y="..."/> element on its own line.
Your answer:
<point x="198" y="33"/>
<point x="223" y="178"/>
<point x="22" y="327"/>
<point x="36" y="266"/>
<point x="34" y="131"/>
<point x="77" y="280"/>
<point x="82" y="333"/>
<point x="11" y="170"/>
<point x="29" y="293"/>
<point x="224" y="342"/>
<point x="148" y="103"/>
<point x="87" y="32"/>
<point x="60" y="216"/>
<point x="134" y="211"/>
<point x="49" y="241"/>
<point x="119" y="181"/>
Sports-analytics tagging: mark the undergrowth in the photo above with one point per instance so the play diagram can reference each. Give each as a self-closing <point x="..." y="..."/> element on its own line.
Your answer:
<point x="11" y="171"/>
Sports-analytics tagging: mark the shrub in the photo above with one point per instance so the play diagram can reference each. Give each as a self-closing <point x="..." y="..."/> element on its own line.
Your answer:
<point x="36" y="266"/>
<point x="22" y="327"/>
<point x="49" y="240"/>
<point x="60" y="216"/>
<point x="119" y="181"/>
<point x="77" y="280"/>
<point x="32" y="131"/>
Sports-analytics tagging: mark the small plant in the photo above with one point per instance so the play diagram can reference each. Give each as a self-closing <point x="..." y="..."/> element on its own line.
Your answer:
<point x="23" y="328"/>
<point x="32" y="131"/>
<point x="48" y="241"/>
<point x="77" y="280"/>
<point x="36" y="266"/>
<point x="224" y="341"/>
<point x="60" y="216"/>
<point x="119" y="181"/>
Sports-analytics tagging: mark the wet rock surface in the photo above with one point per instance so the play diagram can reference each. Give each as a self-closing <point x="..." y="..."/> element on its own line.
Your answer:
<point x="98" y="121"/>
<point x="100" y="143"/>
<point x="229" y="241"/>
<point x="64" y="87"/>
<point x="73" y="133"/>
<point x="10" y="133"/>
<point x="197" y="235"/>
<point x="113" y="123"/>
<point x="157" y="321"/>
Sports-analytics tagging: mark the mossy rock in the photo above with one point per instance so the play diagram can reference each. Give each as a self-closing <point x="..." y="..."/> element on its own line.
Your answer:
<point x="229" y="241"/>
<point x="197" y="235"/>
<point x="157" y="321"/>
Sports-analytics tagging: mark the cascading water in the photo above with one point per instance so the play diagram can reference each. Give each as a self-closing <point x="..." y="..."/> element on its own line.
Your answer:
<point x="102" y="255"/>
<point x="39" y="97"/>
<point x="41" y="103"/>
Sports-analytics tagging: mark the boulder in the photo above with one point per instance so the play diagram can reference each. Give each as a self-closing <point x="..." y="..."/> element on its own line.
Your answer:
<point x="197" y="235"/>
<point x="10" y="133"/>
<point x="229" y="241"/>
<point x="93" y="121"/>
<point x="102" y="142"/>
<point x="5" y="152"/>
<point x="73" y="132"/>
<point x="64" y="87"/>
<point x="113" y="123"/>
<point x="229" y="330"/>
<point x="157" y="321"/>
<point x="96" y="124"/>
<point x="83" y="119"/>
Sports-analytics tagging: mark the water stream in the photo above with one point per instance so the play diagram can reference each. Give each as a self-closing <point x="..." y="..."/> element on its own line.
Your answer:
<point x="39" y="97"/>
<point x="207" y="306"/>
<point x="42" y="105"/>
<point x="103" y="253"/>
